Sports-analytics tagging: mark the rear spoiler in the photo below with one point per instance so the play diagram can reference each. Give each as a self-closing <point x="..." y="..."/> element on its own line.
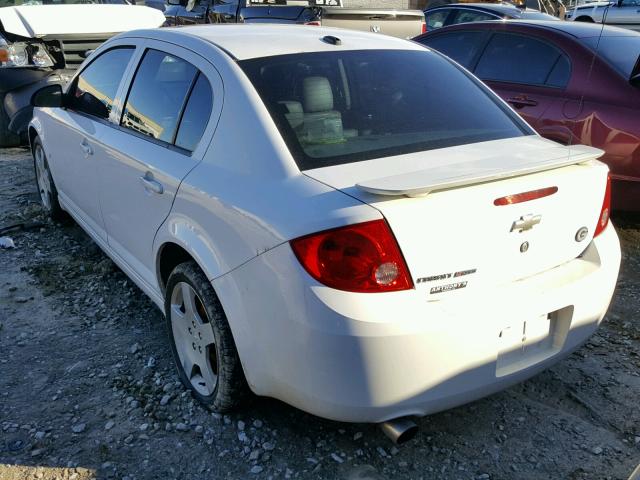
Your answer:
<point x="423" y="182"/>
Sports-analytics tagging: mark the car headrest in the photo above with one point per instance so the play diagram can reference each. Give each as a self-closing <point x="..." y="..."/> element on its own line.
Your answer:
<point x="317" y="94"/>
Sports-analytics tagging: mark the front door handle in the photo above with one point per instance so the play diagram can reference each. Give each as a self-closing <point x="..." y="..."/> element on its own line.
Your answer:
<point x="86" y="148"/>
<point x="522" y="101"/>
<point x="151" y="185"/>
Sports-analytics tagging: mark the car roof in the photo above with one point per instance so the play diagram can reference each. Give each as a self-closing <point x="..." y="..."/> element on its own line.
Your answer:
<point x="575" y="29"/>
<point x="246" y="41"/>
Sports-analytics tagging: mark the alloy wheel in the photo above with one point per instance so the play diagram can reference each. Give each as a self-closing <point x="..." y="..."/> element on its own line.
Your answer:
<point x="43" y="178"/>
<point x="194" y="339"/>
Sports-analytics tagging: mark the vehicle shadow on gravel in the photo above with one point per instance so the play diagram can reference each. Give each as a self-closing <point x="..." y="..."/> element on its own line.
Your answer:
<point x="87" y="386"/>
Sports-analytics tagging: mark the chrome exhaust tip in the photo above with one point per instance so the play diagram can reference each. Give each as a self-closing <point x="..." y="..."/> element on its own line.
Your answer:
<point x="399" y="430"/>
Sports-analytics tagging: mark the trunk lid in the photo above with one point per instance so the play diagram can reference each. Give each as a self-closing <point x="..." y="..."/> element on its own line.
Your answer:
<point x="396" y="23"/>
<point x="454" y="238"/>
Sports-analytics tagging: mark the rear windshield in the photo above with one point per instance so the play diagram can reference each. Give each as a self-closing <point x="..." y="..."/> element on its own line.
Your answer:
<point x="621" y="52"/>
<point x="341" y="107"/>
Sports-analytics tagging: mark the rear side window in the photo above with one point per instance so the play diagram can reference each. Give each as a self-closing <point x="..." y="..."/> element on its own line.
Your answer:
<point x="196" y="115"/>
<point x="341" y="107"/>
<point x="466" y="16"/>
<point x="96" y="86"/>
<point x="459" y="46"/>
<point x="158" y="94"/>
<point x="520" y="59"/>
<point x="435" y="20"/>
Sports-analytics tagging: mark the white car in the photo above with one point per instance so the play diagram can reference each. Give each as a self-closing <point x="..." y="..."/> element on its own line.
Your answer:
<point x="622" y="13"/>
<point x="347" y="222"/>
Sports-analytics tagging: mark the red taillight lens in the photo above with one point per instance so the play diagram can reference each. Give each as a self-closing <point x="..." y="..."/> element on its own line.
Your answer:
<point x="357" y="258"/>
<point x="605" y="213"/>
<point x="313" y="24"/>
<point x="524" y="196"/>
<point x="424" y="27"/>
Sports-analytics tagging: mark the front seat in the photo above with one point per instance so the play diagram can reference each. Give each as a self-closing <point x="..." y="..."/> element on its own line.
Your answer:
<point x="322" y="124"/>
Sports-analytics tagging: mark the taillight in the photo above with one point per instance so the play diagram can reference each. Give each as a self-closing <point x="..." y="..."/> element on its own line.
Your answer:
<point x="357" y="258"/>
<point x="605" y="212"/>
<point x="313" y="24"/>
<point x="424" y="27"/>
<point x="524" y="196"/>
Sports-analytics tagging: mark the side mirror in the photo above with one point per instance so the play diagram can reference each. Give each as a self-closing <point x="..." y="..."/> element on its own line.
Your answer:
<point x="87" y="103"/>
<point x="50" y="96"/>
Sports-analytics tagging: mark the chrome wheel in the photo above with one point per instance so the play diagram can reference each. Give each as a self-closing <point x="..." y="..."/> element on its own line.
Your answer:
<point x="194" y="339"/>
<point x="43" y="177"/>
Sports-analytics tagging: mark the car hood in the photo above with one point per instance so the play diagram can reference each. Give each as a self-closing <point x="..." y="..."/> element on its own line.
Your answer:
<point x="34" y="21"/>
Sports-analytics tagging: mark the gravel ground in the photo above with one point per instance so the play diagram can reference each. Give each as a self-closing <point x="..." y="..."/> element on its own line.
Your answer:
<point x="88" y="389"/>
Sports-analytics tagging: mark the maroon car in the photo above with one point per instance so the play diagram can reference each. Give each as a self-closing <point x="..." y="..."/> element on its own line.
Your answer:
<point x="570" y="84"/>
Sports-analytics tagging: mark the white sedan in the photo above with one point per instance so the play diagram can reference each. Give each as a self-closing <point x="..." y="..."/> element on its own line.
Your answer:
<point x="347" y="222"/>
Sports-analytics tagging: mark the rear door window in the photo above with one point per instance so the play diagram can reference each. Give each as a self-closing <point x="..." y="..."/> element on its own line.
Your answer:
<point x="196" y="115"/>
<point x="95" y="88"/>
<point x="466" y="16"/>
<point x="521" y="59"/>
<point x="158" y="95"/>
<point x="461" y="46"/>
<point x="437" y="19"/>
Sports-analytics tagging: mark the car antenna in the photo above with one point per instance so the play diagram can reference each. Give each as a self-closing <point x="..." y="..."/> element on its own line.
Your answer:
<point x="330" y="39"/>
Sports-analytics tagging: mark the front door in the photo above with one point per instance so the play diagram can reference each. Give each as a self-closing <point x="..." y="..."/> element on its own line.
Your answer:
<point x="164" y="115"/>
<point x="76" y="130"/>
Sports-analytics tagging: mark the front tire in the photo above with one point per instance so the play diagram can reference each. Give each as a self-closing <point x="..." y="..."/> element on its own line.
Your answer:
<point x="203" y="347"/>
<point x="584" y="19"/>
<point x="46" y="186"/>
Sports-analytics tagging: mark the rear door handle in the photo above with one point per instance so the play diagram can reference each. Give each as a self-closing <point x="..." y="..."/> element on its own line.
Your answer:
<point x="150" y="184"/>
<point x="519" y="102"/>
<point x="86" y="148"/>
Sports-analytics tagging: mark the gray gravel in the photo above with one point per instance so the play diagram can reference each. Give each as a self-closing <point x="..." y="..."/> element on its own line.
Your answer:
<point x="88" y="389"/>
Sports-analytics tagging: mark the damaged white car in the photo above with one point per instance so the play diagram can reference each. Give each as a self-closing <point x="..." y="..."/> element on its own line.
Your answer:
<point x="364" y="230"/>
<point x="43" y="42"/>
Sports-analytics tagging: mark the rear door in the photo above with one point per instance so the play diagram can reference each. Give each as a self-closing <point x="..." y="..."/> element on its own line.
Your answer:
<point x="166" y="118"/>
<point x="528" y="73"/>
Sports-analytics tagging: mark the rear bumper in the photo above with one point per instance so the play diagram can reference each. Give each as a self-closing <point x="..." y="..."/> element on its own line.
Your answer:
<point x="19" y="85"/>
<point x="370" y="358"/>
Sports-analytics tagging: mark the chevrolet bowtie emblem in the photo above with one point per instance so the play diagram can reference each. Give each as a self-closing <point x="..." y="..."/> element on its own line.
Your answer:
<point x="526" y="222"/>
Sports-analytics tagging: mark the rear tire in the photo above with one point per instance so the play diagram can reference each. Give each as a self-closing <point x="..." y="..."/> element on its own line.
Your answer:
<point x="584" y="19"/>
<point x="201" y="342"/>
<point x="7" y="138"/>
<point x="46" y="186"/>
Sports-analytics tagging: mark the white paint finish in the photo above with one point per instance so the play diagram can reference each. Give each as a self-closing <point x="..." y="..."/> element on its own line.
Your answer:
<point x="125" y="158"/>
<point x="497" y="167"/>
<point x="346" y="356"/>
<point x="273" y="39"/>
<point x="40" y="20"/>
<point x="75" y="172"/>
<point x="370" y="358"/>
